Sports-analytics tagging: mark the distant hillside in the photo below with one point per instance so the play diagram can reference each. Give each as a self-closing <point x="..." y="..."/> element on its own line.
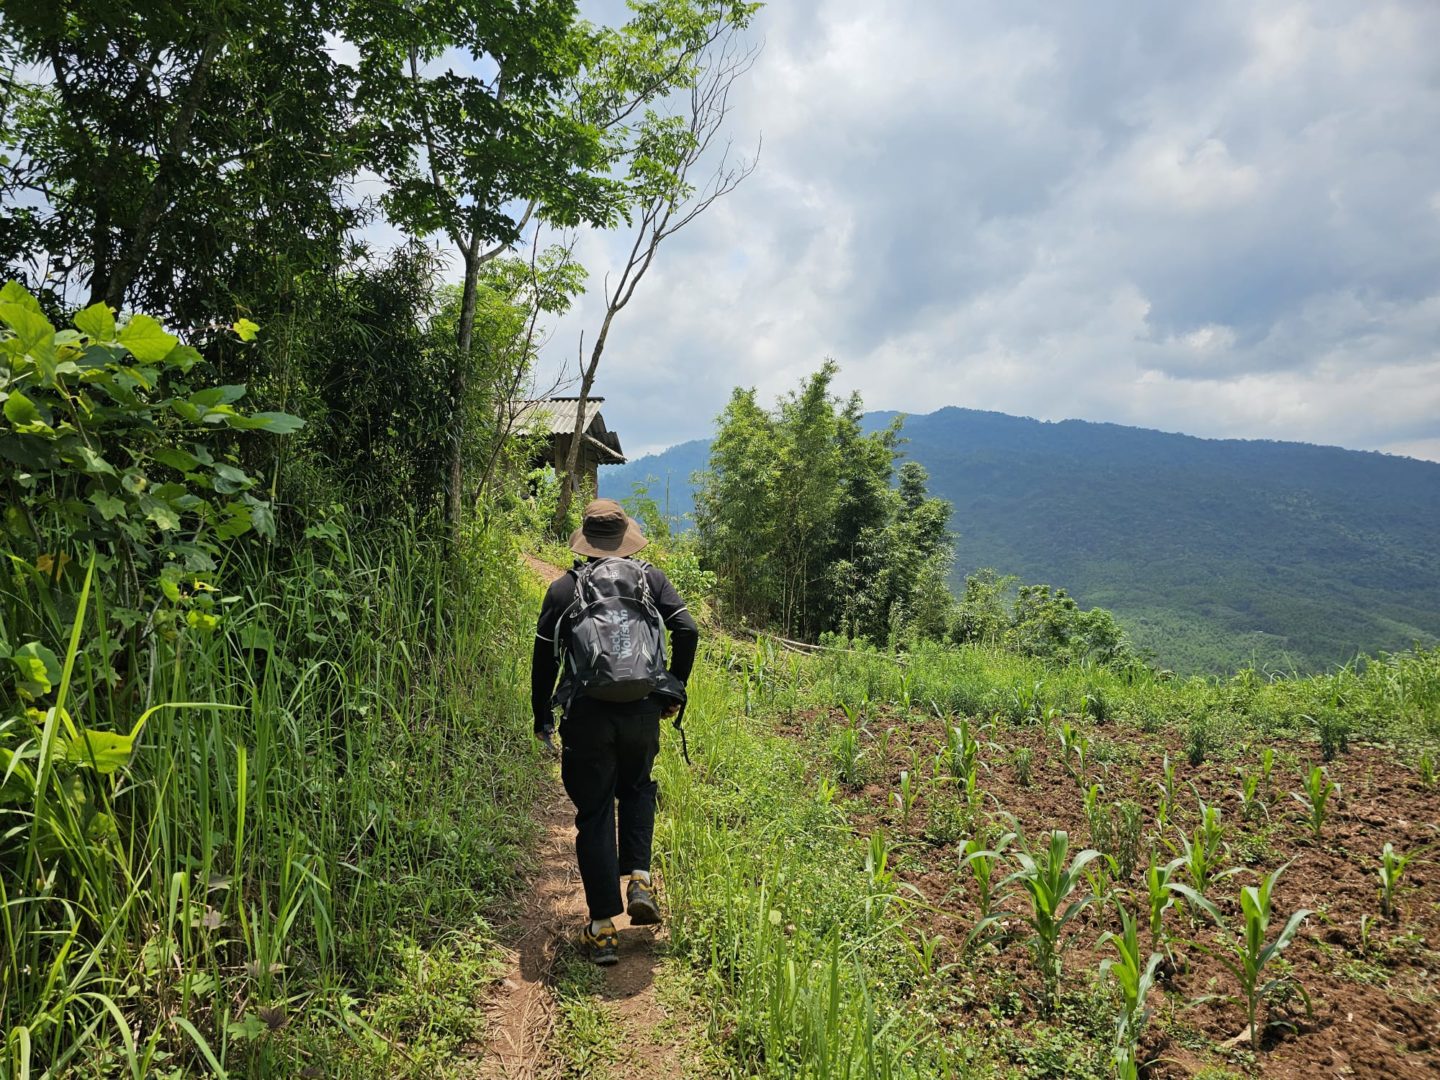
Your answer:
<point x="1212" y="552"/>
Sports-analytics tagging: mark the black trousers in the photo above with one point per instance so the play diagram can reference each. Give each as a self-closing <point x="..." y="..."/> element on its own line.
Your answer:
<point x="606" y="755"/>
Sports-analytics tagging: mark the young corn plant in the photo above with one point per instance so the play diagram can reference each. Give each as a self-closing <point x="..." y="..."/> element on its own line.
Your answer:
<point x="905" y="797"/>
<point x="1252" y="803"/>
<point x="1426" y="768"/>
<point x="1160" y="896"/>
<point x="1165" y="792"/>
<point x="1074" y="750"/>
<point x="1391" y="869"/>
<point x="1050" y="883"/>
<point x="1204" y="851"/>
<point x="1267" y="766"/>
<point x="1318" y="788"/>
<point x="1247" y="955"/>
<point x="1134" y="977"/>
<point x="1097" y="817"/>
<point x="963" y="749"/>
<point x="847" y="756"/>
<point x="982" y="862"/>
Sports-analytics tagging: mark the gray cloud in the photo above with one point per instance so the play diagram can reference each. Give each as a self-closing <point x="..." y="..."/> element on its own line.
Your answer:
<point x="1222" y="219"/>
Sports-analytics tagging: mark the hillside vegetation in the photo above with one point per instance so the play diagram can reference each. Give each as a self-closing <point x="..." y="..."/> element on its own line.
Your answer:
<point x="1212" y="553"/>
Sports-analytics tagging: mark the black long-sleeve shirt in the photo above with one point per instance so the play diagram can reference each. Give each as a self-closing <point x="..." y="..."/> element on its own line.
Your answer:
<point x="545" y="668"/>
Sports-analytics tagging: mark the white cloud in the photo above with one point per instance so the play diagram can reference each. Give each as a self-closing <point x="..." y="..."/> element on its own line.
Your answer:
<point x="1220" y="219"/>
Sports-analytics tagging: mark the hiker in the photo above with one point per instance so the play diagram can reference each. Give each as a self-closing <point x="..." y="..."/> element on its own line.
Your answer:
<point x="609" y="746"/>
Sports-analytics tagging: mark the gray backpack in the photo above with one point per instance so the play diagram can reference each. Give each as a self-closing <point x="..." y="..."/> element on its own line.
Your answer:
<point x="612" y="637"/>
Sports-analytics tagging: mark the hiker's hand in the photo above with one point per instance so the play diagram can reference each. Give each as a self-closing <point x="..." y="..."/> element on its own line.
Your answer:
<point x="668" y="711"/>
<point x="547" y="738"/>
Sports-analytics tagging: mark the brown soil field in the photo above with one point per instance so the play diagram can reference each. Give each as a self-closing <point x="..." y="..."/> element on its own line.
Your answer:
<point x="1375" y="993"/>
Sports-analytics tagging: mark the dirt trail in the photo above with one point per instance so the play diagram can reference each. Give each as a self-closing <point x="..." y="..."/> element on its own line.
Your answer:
<point x="522" y="1011"/>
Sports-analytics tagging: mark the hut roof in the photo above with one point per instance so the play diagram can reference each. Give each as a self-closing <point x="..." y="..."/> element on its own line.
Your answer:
<point x="556" y="416"/>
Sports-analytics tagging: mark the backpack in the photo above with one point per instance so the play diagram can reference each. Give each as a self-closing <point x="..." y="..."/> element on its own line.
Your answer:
<point x="613" y="636"/>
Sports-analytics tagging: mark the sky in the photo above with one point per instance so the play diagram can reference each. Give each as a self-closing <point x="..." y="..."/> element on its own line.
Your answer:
<point x="1218" y="218"/>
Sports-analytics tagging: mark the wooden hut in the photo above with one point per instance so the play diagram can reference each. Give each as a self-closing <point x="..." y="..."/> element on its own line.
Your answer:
<point x="554" y="420"/>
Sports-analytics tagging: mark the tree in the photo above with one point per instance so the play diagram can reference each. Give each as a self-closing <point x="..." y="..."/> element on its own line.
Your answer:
<point x="691" y="46"/>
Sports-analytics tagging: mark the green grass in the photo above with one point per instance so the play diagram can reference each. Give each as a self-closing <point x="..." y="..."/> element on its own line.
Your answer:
<point x="297" y="879"/>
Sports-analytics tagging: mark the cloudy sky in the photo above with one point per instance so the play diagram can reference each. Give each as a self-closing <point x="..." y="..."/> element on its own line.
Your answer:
<point x="1218" y="218"/>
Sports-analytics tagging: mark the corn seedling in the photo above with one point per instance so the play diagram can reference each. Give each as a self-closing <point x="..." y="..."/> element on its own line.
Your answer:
<point x="1252" y="804"/>
<point x="1165" y="790"/>
<point x="1202" y="853"/>
<point x="1159" y="895"/>
<point x="963" y="748"/>
<point x="1049" y="883"/>
<point x="1127" y="835"/>
<point x="847" y="755"/>
<point x="1074" y="750"/>
<point x="981" y="862"/>
<point x="1134" y="977"/>
<point x="1247" y="954"/>
<point x="1021" y="760"/>
<point x="1267" y="766"/>
<point x="905" y="796"/>
<point x="1318" y="789"/>
<point x="923" y="949"/>
<point x="1097" y="817"/>
<point x="1391" y="869"/>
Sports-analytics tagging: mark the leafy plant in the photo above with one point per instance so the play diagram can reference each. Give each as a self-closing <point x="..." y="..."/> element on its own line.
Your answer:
<point x="1267" y="766"/>
<point x="1165" y="790"/>
<point x="1198" y="739"/>
<point x="1391" y="869"/>
<point x="1425" y="767"/>
<point x="905" y="797"/>
<point x="963" y="748"/>
<point x="1134" y="977"/>
<point x="981" y="862"/>
<point x="1049" y="883"/>
<point x="1203" y="852"/>
<point x="1247" y="954"/>
<point x="1318" y="789"/>
<point x="1021" y="760"/>
<point x="1127" y="835"/>
<point x="1160" y="896"/>
<point x="1074" y="751"/>
<point x="1252" y="804"/>
<point x="1333" y="729"/>
<point x="847" y="755"/>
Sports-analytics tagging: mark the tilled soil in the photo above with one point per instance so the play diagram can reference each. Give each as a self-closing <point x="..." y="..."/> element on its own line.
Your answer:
<point x="1375" y="992"/>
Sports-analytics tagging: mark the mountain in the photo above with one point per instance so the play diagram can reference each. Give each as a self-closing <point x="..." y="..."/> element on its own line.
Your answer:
<point x="1212" y="552"/>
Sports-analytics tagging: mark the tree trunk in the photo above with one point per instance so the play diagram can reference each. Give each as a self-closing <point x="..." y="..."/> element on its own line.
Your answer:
<point x="570" y="481"/>
<point x="459" y="382"/>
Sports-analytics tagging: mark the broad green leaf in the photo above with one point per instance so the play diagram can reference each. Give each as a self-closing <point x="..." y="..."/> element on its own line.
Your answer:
<point x="162" y="514"/>
<point x="212" y="396"/>
<point x="12" y="292"/>
<point x="92" y="462"/>
<point x="263" y="518"/>
<point x="178" y="460"/>
<point x="170" y="579"/>
<point x="278" y="423"/>
<point x="201" y="621"/>
<point x="20" y="410"/>
<point x="32" y="328"/>
<point x="39" y="670"/>
<point x="146" y="339"/>
<point x="183" y="357"/>
<point x="229" y="480"/>
<point x="98" y="321"/>
<point x="110" y="507"/>
<point x="103" y="751"/>
<point x="246" y="329"/>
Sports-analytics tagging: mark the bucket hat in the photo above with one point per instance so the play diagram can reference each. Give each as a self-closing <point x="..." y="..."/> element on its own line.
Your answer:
<point x="606" y="531"/>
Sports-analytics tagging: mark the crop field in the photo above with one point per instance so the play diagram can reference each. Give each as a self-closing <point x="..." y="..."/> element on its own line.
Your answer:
<point x="965" y="863"/>
<point x="1369" y="979"/>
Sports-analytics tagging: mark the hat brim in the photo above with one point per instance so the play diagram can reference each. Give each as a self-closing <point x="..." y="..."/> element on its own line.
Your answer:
<point x="606" y="547"/>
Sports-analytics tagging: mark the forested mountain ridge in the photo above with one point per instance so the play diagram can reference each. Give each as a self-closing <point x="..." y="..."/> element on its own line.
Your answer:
<point x="1212" y="552"/>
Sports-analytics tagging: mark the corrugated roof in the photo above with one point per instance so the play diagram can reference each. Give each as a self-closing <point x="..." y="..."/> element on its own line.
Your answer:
<point x="556" y="416"/>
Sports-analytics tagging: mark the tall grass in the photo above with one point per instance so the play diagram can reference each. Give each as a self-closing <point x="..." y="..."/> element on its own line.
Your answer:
<point x="244" y="895"/>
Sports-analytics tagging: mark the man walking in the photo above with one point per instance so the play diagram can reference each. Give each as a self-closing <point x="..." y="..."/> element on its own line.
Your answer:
<point x="608" y="746"/>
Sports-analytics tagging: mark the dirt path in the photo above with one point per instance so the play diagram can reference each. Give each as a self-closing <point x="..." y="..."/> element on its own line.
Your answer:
<point x="526" y="1021"/>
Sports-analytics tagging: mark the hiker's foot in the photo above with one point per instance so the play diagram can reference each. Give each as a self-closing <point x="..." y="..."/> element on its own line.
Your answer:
<point x="641" y="904"/>
<point x="600" y="942"/>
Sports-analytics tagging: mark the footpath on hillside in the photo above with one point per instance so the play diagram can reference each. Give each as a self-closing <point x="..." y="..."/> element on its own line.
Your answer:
<point x="552" y="1014"/>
